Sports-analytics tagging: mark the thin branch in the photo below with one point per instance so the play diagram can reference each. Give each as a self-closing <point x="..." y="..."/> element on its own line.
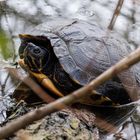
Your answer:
<point x="32" y="85"/>
<point x="133" y="12"/>
<point x="61" y="103"/>
<point x="3" y="85"/>
<point x="134" y="126"/>
<point x="115" y="14"/>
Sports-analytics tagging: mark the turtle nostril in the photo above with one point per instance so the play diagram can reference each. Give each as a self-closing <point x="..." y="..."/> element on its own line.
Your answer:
<point x="36" y="50"/>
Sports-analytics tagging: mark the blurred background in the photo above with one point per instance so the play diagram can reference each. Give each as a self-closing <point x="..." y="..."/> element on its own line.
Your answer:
<point x="19" y="16"/>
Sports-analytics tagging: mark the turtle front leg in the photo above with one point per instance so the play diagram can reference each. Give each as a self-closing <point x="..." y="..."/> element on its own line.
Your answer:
<point x="47" y="83"/>
<point x="42" y="79"/>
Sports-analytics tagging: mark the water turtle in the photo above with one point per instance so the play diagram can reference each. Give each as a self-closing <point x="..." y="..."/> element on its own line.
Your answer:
<point x="71" y="53"/>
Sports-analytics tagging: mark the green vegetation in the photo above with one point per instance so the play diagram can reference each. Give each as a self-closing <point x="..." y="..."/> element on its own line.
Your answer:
<point x="5" y="46"/>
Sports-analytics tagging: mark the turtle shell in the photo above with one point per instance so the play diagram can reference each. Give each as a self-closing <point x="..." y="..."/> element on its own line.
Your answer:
<point x="85" y="50"/>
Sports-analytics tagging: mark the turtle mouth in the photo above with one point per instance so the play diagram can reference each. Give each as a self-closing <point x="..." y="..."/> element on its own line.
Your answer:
<point x="35" y="57"/>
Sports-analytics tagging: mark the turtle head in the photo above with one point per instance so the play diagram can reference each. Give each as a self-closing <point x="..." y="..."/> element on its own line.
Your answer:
<point x="36" y="52"/>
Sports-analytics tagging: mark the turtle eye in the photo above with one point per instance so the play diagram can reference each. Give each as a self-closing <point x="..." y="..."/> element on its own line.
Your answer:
<point x="36" y="50"/>
<point x="33" y="49"/>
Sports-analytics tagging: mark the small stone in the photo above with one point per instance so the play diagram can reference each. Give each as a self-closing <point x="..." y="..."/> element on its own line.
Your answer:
<point x="74" y="123"/>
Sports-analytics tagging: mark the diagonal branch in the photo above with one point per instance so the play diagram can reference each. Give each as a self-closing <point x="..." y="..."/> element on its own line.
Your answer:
<point x="61" y="103"/>
<point x="32" y="85"/>
<point x="115" y="14"/>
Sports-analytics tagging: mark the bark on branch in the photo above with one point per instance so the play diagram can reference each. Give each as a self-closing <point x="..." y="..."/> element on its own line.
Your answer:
<point x="115" y="14"/>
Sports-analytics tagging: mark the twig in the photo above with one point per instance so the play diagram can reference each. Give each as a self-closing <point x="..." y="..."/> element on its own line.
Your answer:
<point x="115" y="14"/>
<point x="133" y="123"/>
<point x="3" y="85"/>
<point x="32" y="84"/>
<point x="133" y="12"/>
<point x="61" y="103"/>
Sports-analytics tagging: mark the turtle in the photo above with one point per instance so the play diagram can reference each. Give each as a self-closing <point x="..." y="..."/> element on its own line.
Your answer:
<point x="70" y="53"/>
